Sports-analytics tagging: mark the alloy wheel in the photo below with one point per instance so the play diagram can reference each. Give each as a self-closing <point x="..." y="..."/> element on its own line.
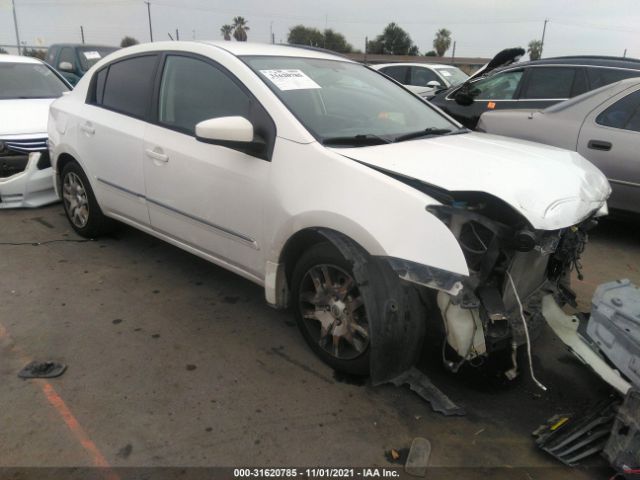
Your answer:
<point x="333" y="311"/>
<point x="75" y="199"/>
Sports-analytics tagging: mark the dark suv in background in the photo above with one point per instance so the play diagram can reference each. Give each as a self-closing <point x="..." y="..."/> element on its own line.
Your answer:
<point x="73" y="60"/>
<point x="532" y="85"/>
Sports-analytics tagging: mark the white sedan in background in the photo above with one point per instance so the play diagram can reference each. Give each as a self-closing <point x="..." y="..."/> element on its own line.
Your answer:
<point x="365" y="209"/>
<point x="27" y="88"/>
<point x="602" y="125"/>
<point x="423" y="79"/>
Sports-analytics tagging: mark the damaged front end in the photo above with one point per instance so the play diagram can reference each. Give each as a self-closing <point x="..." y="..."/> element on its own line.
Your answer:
<point x="26" y="176"/>
<point x="512" y="267"/>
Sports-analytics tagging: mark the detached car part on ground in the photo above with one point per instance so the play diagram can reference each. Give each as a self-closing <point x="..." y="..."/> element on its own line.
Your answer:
<point x="369" y="212"/>
<point x="609" y="342"/>
<point x="602" y="125"/>
<point x="27" y="88"/>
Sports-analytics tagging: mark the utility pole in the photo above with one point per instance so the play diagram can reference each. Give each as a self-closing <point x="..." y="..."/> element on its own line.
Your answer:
<point x="177" y="34"/>
<point x="624" y="55"/>
<point x="453" y="53"/>
<point x="149" y="15"/>
<point x="15" y="24"/>
<point x="544" y="30"/>
<point x="366" y="43"/>
<point x="82" y="33"/>
<point x="324" y="36"/>
<point x="271" y="31"/>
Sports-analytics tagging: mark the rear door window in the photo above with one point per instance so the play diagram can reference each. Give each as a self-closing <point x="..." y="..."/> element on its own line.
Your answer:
<point x="399" y="73"/>
<point x="129" y="85"/>
<point x="549" y="83"/>
<point x="599" y="77"/>
<point x="624" y="114"/>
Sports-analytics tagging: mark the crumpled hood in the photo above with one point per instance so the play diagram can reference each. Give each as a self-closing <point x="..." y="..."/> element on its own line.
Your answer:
<point x="22" y="116"/>
<point x="551" y="187"/>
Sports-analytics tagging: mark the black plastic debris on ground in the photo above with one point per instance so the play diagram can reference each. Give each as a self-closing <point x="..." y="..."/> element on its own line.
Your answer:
<point x="42" y="370"/>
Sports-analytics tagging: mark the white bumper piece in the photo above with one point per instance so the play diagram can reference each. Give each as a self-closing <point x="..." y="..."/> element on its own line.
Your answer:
<point x="566" y="328"/>
<point x="30" y="188"/>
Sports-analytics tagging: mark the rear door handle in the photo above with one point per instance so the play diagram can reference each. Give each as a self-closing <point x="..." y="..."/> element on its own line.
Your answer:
<point x="158" y="156"/>
<point x="87" y="128"/>
<point x="599" y="145"/>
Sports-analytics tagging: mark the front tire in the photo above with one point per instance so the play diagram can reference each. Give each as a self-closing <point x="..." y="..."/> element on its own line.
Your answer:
<point x="330" y="309"/>
<point x="80" y="204"/>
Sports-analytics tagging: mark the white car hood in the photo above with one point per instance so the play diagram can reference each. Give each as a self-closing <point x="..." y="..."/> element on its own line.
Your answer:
<point x="24" y="116"/>
<point x="551" y="187"/>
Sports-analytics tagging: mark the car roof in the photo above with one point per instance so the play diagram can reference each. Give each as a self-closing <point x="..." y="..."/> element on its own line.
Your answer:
<point x="253" y="48"/>
<point x="415" y="64"/>
<point x="4" y="58"/>
<point x="584" y="60"/>
<point x="83" y="45"/>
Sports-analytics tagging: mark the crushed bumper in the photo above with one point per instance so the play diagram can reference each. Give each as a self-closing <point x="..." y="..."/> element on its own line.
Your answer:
<point x="30" y="188"/>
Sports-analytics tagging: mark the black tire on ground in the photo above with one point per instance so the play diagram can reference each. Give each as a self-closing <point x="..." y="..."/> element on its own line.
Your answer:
<point x="324" y="254"/>
<point x="97" y="223"/>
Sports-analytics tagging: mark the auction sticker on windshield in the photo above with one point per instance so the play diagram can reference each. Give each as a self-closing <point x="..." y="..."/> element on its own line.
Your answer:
<point x="92" y="55"/>
<point x="293" y="79"/>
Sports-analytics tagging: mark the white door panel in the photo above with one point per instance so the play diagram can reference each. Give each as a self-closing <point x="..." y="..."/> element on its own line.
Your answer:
<point x="207" y="196"/>
<point x="111" y="146"/>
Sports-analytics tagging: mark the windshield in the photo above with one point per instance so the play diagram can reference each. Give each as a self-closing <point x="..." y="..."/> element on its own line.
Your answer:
<point x="29" y="80"/>
<point x="91" y="55"/>
<point x="453" y="75"/>
<point x="336" y="99"/>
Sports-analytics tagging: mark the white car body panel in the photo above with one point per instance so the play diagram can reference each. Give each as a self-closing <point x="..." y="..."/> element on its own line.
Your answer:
<point x="515" y="171"/>
<point x="25" y="120"/>
<point x="571" y="125"/>
<point x="24" y="116"/>
<point x="239" y="211"/>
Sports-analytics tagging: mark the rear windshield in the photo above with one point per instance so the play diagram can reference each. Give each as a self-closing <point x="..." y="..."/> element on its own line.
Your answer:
<point x="29" y="80"/>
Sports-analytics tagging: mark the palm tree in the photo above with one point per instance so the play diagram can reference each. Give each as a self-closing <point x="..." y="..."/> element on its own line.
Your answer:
<point x="535" y="49"/>
<point x="226" y="31"/>
<point x="240" y="29"/>
<point x="442" y="42"/>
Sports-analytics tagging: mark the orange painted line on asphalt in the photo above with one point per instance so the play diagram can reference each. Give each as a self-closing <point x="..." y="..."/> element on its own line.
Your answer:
<point x="56" y="401"/>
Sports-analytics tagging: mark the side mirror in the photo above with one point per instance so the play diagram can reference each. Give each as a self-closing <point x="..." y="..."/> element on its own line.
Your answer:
<point x="463" y="97"/>
<point x="231" y="132"/>
<point x="65" y="66"/>
<point x="434" y="84"/>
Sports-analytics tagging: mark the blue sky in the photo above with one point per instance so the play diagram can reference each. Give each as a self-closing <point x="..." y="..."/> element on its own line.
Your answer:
<point x="480" y="28"/>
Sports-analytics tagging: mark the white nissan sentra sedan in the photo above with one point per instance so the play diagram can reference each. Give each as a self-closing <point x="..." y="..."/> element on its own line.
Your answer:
<point x="369" y="212"/>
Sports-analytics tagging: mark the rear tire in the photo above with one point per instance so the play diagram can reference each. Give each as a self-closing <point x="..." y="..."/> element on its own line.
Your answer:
<point x="80" y="204"/>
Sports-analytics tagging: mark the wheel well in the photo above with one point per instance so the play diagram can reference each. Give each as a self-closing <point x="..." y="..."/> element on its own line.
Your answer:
<point x="63" y="160"/>
<point x="296" y="246"/>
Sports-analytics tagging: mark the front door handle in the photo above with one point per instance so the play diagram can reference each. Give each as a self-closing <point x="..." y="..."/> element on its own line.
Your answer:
<point x="157" y="156"/>
<point x="599" y="145"/>
<point x="87" y="128"/>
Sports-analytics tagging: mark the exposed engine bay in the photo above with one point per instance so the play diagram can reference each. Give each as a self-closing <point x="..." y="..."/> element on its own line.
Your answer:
<point x="512" y="268"/>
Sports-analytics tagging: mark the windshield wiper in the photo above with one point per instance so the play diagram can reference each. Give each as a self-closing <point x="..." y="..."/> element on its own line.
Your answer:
<point x="422" y="133"/>
<point x="361" y="139"/>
